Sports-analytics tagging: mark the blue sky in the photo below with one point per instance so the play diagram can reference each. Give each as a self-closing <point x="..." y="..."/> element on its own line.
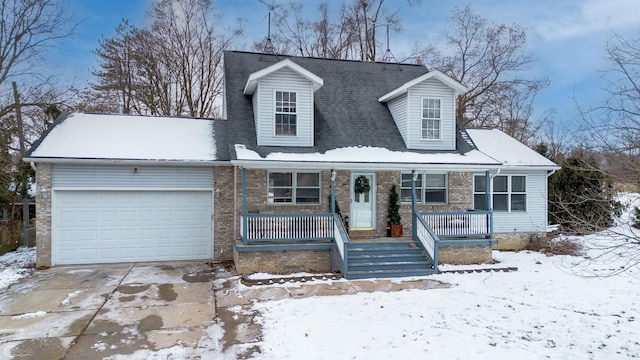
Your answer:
<point x="568" y="37"/>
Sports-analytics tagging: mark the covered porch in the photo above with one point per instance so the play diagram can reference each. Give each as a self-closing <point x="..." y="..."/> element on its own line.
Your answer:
<point x="328" y="235"/>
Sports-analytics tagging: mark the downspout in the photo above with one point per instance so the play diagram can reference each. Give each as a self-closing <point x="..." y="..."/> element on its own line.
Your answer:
<point x="33" y="166"/>
<point x="551" y="173"/>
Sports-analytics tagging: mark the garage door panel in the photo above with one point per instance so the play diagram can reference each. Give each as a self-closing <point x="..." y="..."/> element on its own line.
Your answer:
<point x="121" y="226"/>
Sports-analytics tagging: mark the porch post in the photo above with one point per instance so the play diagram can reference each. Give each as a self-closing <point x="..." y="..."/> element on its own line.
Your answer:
<point x="414" y="206"/>
<point x="333" y="195"/>
<point x="245" y="221"/>
<point x="488" y="199"/>
<point x="244" y="190"/>
<point x="487" y="181"/>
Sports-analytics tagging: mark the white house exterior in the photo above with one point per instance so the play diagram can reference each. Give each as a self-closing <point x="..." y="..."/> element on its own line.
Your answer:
<point x="260" y="186"/>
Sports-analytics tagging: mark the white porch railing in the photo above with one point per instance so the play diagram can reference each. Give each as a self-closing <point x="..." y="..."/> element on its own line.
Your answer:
<point x="261" y="228"/>
<point x="460" y="224"/>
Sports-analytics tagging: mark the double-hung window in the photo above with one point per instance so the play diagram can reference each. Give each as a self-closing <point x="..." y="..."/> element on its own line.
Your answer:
<point x="286" y="113"/>
<point x="509" y="193"/>
<point x="431" y="119"/>
<point x="294" y="187"/>
<point x="430" y="188"/>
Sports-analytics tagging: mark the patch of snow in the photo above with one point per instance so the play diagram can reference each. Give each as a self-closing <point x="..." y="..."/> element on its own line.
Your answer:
<point x="368" y="154"/>
<point x="93" y="136"/>
<point x="29" y="315"/>
<point x="15" y="265"/>
<point x="494" y="142"/>
<point x="99" y="346"/>
<point x="74" y="294"/>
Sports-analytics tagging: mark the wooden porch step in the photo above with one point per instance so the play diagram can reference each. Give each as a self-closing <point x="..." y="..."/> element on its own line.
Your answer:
<point x="387" y="259"/>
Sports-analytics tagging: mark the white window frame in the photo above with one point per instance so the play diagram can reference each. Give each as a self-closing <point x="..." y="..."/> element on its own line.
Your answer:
<point x="509" y="193"/>
<point x="424" y="129"/>
<point x="422" y="187"/>
<point x="282" y="112"/>
<point x="294" y="188"/>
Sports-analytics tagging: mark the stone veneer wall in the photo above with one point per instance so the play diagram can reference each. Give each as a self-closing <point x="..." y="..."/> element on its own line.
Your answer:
<point x="465" y="255"/>
<point x="514" y="241"/>
<point x="43" y="219"/>
<point x="283" y="262"/>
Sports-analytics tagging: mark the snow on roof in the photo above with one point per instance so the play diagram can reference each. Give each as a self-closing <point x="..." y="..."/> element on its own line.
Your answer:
<point x="126" y="137"/>
<point x="373" y="155"/>
<point x="507" y="150"/>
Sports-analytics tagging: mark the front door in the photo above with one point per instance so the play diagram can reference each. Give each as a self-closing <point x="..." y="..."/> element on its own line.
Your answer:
<point x="363" y="201"/>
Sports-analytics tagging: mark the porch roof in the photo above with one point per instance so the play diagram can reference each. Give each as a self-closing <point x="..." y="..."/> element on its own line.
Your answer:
<point x="366" y="157"/>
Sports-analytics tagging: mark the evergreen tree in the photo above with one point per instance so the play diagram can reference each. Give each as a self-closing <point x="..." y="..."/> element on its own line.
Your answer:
<point x="581" y="195"/>
<point x="393" y="212"/>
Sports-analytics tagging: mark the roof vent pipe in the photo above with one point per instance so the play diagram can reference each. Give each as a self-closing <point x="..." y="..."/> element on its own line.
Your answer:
<point x="120" y="108"/>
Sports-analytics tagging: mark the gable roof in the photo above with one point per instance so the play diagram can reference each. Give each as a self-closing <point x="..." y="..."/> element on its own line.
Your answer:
<point x="346" y="109"/>
<point x="495" y="143"/>
<point x="78" y="136"/>
<point x="252" y="82"/>
<point x="457" y="87"/>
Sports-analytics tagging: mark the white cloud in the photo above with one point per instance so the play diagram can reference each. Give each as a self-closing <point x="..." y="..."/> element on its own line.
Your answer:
<point x="565" y="21"/>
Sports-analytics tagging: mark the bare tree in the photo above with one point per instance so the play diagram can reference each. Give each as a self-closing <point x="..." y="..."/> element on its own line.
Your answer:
<point x="351" y="34"/>
<point x="487" y="59"/>
<point x="27" y="28"/>
<point x="171" y="67"/>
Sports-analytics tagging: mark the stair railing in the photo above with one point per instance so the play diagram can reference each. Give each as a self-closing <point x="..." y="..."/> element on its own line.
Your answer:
<point x="427" y="238"/>
<point x="341" y="243"/>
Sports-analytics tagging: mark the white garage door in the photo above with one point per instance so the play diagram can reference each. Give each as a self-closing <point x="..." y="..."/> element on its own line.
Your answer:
<point x="126" y="226"/>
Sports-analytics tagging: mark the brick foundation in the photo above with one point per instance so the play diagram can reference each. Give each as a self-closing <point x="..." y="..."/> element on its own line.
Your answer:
<point x="514" y="241"/>
<point x="282" y="262"/>
<point x="465" y="255"/>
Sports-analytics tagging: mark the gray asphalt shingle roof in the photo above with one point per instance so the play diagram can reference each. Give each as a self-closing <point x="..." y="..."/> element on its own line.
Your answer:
<point x="346" y="109"/>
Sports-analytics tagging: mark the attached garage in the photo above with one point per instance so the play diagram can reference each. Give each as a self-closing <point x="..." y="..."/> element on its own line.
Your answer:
<point x="109" y="214"/>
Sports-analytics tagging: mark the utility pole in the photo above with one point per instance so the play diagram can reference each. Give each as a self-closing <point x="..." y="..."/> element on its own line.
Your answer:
<point x="25" y="199"/>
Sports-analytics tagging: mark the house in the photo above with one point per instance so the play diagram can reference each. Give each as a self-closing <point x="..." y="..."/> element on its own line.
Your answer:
<point x="298" y="137"/>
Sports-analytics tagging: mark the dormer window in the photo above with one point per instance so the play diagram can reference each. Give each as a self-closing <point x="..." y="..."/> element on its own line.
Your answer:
<point x="286" y="116"/>
<point x="431" y="119"/>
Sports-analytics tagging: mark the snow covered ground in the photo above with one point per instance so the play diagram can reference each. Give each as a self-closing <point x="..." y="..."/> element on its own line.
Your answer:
<point x="16" y="265"/>
<point x="552" y="307"/>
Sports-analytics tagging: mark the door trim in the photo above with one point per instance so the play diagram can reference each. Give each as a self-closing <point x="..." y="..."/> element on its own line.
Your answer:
<point x="354" y="175"/>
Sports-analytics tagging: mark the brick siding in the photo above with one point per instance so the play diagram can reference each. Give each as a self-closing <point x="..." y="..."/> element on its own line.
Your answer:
<point x="43" y="219"/>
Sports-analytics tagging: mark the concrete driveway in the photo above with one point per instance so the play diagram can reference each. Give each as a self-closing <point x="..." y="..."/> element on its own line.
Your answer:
<point x="92" y="312"/>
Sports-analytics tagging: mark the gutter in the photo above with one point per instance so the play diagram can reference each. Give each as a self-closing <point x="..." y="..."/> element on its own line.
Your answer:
<point x="317" y="165"/>
<point x="125" y="162"/>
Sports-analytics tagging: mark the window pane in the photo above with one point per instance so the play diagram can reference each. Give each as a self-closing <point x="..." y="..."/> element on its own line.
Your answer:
<point x="500" y="184"/>
<point x="479" y="202"/>
<point x="280" y="179"/>
<point x="308" y="196"/>
<point x="436" y="180"/>
<point x="405" y="195"/>
<point x="308" y="179"/>
<point x="500" y="202"/>
<point x="479" y="184"/>
<point x="435" y="196"/>
<point x="518" y="184"/>
<point x="518" y="202"/>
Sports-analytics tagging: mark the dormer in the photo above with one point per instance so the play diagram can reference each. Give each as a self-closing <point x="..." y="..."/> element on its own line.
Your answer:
<point x="424" y="110"/>
<point x="282" y="97"/>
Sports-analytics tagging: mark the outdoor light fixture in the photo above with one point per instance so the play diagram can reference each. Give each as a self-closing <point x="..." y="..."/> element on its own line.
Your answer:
<point x="333" y="175"/>
<point x="43" y="193"/>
